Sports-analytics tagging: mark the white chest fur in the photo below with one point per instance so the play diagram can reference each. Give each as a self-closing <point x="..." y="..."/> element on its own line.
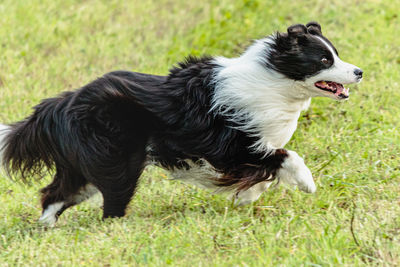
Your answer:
<point x="276" y="130"/>
<point x="264" y="103"/>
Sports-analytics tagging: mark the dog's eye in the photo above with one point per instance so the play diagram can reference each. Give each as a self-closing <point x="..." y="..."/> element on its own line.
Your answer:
<point x="324" y="60"/>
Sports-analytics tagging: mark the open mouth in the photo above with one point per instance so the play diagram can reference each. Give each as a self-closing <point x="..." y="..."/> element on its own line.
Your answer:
<point x="335" y="88"/>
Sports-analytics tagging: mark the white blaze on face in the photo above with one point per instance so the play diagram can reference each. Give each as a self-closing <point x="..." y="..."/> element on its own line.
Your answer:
<point x="340" y="72"/>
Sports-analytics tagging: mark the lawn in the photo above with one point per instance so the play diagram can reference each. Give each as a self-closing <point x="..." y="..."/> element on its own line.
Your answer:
<point x="351" y="147"/>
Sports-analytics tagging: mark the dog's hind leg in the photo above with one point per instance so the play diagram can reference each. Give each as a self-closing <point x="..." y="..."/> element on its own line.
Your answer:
<point x="54" y="210"/>
<point x="65" y="191"/>
<point x="118" y="189"/>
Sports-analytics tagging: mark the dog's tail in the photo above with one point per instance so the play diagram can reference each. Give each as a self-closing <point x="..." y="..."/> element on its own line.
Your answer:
<point x="26" y="146"/>
<point x="53" y="136"/>
<point x="4" y="129"/>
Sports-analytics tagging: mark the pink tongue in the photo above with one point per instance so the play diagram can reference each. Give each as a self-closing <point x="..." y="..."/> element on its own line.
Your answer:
<point x="339" y="89"/>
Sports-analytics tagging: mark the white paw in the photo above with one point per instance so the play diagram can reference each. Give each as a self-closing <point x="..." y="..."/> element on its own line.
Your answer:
<point x="295" y="172"/>
<point x="48" y="217"/>
<point x="250" y="195"/>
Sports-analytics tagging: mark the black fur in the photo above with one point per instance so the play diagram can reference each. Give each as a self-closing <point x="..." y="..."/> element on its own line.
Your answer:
<point x="297" y="54"/>
<point x="104" y="132"/>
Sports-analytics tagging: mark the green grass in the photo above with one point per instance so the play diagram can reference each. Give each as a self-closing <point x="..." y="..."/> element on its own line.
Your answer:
<point x="352" y="148"/>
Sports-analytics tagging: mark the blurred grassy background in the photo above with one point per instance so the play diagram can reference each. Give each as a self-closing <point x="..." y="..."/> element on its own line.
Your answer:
<point x="352" y="148"/>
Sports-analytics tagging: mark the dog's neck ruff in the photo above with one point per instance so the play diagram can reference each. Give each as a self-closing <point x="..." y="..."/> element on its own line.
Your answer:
<point x="259" y="100"/>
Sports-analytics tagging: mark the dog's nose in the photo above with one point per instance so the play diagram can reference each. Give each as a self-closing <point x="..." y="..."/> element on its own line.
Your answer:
<point x="358" y="73"/>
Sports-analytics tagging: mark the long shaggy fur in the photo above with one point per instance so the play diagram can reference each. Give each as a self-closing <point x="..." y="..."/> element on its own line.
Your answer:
<point x="225" y="119"/>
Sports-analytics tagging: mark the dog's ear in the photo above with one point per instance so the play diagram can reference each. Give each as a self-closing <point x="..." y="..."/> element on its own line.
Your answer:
<point x="297" y="30"/>
<point x="313" y="27"/>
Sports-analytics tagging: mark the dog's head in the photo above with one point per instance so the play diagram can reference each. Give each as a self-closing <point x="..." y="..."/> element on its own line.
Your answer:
<point x="303" y="54"/>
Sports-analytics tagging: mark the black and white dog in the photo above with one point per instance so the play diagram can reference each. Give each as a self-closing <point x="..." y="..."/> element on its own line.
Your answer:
<point x="219" y="123"/>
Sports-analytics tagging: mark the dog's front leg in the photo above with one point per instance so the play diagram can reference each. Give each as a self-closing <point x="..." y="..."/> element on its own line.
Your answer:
<point x="250" y="195"/>
<point x="294" y="172"/>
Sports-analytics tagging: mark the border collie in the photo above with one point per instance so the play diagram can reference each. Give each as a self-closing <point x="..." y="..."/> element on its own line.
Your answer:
<point x="216" y="122"/>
